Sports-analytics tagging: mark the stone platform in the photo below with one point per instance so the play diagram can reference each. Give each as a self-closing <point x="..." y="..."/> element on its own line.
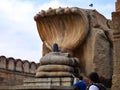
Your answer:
<point x="48" y="82"/>
<point x="59" y="83"/>
<point x="37" y="88"/>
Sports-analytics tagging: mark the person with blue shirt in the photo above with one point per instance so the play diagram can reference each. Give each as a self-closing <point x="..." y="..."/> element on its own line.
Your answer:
<point x="80" y="84"/>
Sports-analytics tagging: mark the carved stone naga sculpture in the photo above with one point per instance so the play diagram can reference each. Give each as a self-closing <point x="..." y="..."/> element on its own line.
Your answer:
<point x="81" y="34"/>
<point x="61" y="26"/>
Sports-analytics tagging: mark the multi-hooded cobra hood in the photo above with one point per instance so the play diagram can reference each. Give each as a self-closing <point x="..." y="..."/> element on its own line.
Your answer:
<point x="67" y="27"/>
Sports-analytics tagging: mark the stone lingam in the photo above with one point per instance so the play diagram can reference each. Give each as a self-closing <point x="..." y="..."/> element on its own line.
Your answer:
<point x="57" y="64"/>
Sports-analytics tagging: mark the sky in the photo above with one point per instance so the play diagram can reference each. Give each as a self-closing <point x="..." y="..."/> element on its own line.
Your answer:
<point x="18" y="32"/>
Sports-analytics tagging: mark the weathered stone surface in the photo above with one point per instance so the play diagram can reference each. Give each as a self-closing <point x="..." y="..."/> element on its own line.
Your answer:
<point x="83" y="33"/>
<point x="116" y="48"/>
<point x="19" y="66"/>
<point x="80" y="23"/>
<point x="118" y="6"/>
<point x="99" y="53"/>
<point x="40" y="88"/>
<point x="11" y="64"/>
<point x="116" y="82"/>
<point x="48" y="82"/>
<point x="53" y="74"/>
<point x="50" y="68"/>
<point x="57" y="64"/>
<point x="12" y="73"/>
<point x="59" y="29"/>
<point x="11" y="78"/>
<point x="59" y="58"/>
<point x="3" y="62"/>
<point x="33" y="67"/>
<point x="26" y="66"/>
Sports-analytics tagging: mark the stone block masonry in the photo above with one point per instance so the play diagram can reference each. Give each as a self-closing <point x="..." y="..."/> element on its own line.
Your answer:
<point x="13" y="71"/>
<point x="118" y="6"/>
<point x="116" y="47"/>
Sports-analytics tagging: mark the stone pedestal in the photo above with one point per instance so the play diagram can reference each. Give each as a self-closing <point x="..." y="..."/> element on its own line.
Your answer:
<point x="59" y="83"/>
<point x="48" y="82"/>
<point x="58" y="64"/>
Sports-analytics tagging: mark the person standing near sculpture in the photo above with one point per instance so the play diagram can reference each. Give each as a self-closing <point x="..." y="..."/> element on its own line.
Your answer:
<point x="80" y="84"/>
<point x="95" y="82"/>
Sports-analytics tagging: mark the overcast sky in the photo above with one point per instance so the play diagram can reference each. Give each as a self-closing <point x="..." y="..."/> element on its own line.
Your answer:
<point x="18" y="33"/>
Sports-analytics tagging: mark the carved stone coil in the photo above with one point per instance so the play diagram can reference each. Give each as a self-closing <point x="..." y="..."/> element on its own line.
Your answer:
<point x="56" y="64"/>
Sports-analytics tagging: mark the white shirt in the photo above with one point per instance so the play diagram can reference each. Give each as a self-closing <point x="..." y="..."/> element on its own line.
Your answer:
<point x="93" y="87"/>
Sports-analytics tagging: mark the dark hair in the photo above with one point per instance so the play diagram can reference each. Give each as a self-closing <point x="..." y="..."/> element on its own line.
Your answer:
<point x="80" y="77"/>
<point x="94" y="77"/>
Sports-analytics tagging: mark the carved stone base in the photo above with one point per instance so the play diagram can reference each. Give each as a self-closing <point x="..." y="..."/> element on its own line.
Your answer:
<point x="58" y="83"/>
<point x="63" y="83"/>
<point x="48" y="82"/>
<point x="37" y="88"/>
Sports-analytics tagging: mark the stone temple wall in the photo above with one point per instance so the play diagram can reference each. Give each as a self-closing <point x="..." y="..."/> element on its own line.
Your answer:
<point x="118" y="6"/>
<point x="13" y="71"/>
<point x="116" y="47"/>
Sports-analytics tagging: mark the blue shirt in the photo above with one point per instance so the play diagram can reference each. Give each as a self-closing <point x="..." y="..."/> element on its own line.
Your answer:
<point x="80" y="84"/>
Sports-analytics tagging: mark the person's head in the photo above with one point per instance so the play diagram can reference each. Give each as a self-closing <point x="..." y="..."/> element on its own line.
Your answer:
<point x="94" y="77"/>
<point x="80" y="77"/>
